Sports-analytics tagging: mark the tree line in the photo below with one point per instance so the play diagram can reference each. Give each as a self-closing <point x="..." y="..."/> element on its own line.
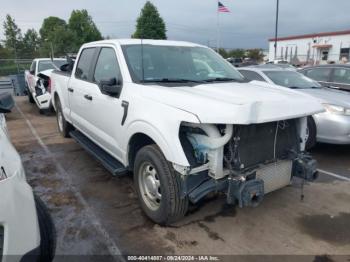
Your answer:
<point x="59" y="37"/>
<point x="55" y="35"/>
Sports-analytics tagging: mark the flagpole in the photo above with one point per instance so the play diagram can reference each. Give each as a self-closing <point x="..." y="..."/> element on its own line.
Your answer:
<point x="218" y="27"/>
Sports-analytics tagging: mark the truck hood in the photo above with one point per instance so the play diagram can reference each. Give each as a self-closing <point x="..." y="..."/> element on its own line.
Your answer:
<point x="330" y="96"/>
<point x="235" y="103"/>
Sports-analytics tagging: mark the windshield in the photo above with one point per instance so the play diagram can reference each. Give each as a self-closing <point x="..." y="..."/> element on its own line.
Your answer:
<point x="291" y="79"/>
<point x="47" y="64"/>
<point x="177" y="64"/>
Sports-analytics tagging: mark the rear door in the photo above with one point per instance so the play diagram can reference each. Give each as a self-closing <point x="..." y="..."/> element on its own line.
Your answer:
<point x="341" y="78"/>
<point x="78" y="89"/>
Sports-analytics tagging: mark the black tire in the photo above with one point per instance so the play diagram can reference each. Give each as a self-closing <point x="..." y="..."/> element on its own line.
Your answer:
<point x="64" y="127"/>
<point x="47" y="232"/>
<point x="30" y="97"/>
<point x="172" y="207"/>
<point x="311" y="141"/>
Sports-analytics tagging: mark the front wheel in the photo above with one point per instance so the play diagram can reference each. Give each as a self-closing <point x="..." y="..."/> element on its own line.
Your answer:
<point x="47" y="232"/>
<point x="30" y="96"/>
<point x="311" y="133"/>
<point x="158" y="187"/>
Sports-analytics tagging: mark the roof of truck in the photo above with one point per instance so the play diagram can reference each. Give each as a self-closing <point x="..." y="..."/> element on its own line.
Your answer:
<point x="145" y="41"/>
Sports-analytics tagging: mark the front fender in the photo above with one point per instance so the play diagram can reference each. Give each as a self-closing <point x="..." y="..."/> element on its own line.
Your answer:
<point x="168" y="142"/>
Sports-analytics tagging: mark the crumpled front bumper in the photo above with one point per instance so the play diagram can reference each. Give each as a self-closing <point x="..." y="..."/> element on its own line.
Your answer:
<point x="248" y="189"/>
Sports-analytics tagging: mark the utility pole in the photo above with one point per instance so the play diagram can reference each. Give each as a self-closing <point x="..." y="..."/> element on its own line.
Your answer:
<point x="52" y="54"/>
<point x="276" y="27"/>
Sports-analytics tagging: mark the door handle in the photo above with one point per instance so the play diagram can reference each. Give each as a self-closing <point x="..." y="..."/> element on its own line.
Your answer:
<point x="70" y="89"/>
<point x="88" y="97"/>
<point x="125" y="105"/>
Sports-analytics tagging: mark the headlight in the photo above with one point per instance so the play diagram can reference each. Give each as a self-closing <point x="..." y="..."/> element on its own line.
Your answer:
<point x="339" y="110"/>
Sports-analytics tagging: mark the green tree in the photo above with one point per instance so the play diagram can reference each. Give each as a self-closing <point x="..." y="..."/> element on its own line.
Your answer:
<point x="4" y="52"/>
<point x="13" y="35"/>
<point x="149" y="24"/>
<point x="50" y="24"/>
<point x="31" y="44"/>
<point x="255" y="54"/>
<point x="237" y="53"/>
<point x="81" y="24"/>
<point x="55" y="33"/>
<point x="223" y="53"/>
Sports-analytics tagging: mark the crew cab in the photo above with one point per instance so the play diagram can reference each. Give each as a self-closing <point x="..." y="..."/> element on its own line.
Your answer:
<point x="38" y="83"/>
<point x="27" y="232"/>
<point x="184" y="122"/>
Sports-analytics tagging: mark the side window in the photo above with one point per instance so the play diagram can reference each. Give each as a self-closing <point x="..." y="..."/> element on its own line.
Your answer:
<point x="83" y="68"/>
<point x="319" y="74"/>
<point x="107" y="67"/>
<point x="251" y="75"/>
<point x="32" y="67"/>
<point x="341" y="75"/>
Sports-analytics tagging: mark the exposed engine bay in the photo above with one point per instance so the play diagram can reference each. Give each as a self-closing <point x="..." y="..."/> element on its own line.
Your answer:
<point x="244" y="161"/>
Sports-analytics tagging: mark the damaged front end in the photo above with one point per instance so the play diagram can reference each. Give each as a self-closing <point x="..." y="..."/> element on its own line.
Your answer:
<point x="244" y="161"/>
<point x="43" y="91"/>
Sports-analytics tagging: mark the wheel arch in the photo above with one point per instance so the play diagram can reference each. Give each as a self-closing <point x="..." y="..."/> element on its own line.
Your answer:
<point x="136" y="139"/>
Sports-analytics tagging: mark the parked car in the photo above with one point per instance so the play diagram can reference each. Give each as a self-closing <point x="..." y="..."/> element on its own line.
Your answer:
<point x="38" y="83"/>
<point x="278" y="62"/>
<point x="236" y="62"/>
<point x="183" y="130"/>
<point x="26" y="229"/>
<point x="332" y="126"/>
<point x="281" y="66"/>
<point x="332" y="75"/>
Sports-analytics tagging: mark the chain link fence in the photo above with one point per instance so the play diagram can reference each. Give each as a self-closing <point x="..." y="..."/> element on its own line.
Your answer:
<point x="14" y="66"/>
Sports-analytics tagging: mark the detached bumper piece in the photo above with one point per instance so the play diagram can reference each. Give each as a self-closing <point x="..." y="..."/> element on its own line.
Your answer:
<point x="248" y="193"/>
<point x="305" y="167"/>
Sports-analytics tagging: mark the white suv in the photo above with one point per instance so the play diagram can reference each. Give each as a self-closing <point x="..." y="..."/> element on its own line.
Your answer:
<point x="26" y="228"/>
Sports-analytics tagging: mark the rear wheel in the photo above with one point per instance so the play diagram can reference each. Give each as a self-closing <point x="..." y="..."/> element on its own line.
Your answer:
<point x="158" y="187"/>
<point x="63" y="126"/>
<point x="30" y="97"/>
<point x="47" y="232"/>
<point x="311" y="133"/>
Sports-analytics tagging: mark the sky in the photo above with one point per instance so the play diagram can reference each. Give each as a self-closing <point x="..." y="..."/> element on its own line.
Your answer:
<point x="249" y="24"/>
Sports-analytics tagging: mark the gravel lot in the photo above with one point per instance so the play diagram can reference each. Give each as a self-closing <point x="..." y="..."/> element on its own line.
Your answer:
<point x="96" y="213"/>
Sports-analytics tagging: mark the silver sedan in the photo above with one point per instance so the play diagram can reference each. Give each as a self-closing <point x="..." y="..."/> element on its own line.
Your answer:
<point x="332" y="126"/>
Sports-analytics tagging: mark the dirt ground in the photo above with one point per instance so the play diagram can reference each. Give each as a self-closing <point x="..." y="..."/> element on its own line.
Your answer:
<point x="98" y="214"/>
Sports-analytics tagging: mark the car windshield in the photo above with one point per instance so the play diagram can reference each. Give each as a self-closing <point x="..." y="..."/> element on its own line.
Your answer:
<point x="48" y="64"/>
<point x="177" y="64"/>
<point x="291" y="79"/>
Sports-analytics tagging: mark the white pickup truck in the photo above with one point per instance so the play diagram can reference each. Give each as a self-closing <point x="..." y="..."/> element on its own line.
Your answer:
<point x="38" y="83"/>
<point x="184" y="121"/>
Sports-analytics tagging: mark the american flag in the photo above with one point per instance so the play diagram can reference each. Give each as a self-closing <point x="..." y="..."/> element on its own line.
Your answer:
<point x="222" y="8"/>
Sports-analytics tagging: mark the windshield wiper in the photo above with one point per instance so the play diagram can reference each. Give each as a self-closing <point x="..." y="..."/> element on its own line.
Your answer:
<point x="170" y="80"/>
<point x="222" y="79"/>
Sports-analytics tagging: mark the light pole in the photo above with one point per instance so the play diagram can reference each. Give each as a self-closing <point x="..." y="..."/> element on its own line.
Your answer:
<point x="276" y="27"/>
<point x="51" y="46"/>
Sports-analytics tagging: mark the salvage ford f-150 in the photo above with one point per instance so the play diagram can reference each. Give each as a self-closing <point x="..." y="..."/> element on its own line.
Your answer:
<point x="184" y="121"/>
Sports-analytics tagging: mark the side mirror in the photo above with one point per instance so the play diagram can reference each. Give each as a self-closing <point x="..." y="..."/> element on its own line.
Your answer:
<point x="111" y="87"/>
<point x="6" y="103"/>
<point x="32" y="72"/>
